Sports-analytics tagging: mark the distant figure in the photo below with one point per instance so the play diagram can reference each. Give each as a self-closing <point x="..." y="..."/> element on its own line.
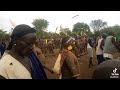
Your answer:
<point x="38" y="52"/>
<point x="2" y="47"/>
<point x="40" y="56"/>
<point x="90" y="46"/>
<point x="50" y="47"/>
<point x="99" y="48"/>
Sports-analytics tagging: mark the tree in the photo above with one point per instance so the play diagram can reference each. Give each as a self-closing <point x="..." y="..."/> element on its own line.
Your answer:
<point x="111" y="29"/>
<point x="55" y="35"/>
<point x="97" y="25"/>
<point x="62" y="34"/>
<point x="81" y="27"/>
<point x="116" y="30"/>
<point x="2" y="33"/>
<point x="68" y="31"/>
<point x="40" y="25"/>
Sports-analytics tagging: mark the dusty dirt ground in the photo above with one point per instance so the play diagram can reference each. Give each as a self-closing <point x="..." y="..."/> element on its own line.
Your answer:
<point x="86" y="72"/>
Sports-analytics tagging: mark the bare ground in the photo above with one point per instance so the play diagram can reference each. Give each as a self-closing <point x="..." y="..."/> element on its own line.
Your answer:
<point x="86" y="72"/>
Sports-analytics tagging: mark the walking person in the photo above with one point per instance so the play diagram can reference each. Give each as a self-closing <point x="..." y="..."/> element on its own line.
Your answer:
<point x="90" y="46"/>
<point x="99" y="48"/>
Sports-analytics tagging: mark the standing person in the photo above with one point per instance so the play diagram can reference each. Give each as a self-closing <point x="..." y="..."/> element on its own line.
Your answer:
<point x="98" y="37"/>
<point x="50" y="47"/>
<point x="21" y="62"/>
<point x="84" y="44"/>
<point x="40" y="55"/>
<point x="90" y="46"/>
<point x="99" y="48"/>
<point x="38" y="52"/>
<point x="109" y="47"/>
<point x="2" y="47"/>
<point x="69" y="65"/>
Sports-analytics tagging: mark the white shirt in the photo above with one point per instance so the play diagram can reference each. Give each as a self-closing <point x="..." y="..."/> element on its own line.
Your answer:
<point x="10" y="68"/>
<point x="99" y="51"/>
<point x="88" y="46"/>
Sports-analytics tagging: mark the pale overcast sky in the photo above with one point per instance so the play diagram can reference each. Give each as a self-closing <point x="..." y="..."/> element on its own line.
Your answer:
<point x="56" y="18"/>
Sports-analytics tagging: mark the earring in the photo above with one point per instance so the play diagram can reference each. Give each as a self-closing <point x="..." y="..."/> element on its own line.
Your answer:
<point x="15" y="44"/>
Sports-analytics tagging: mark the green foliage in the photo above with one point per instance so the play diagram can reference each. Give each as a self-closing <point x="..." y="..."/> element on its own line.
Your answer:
<point x="97" y="25"/>
<point x="112" y="29"/>
<point x="62" y="34"/>
<point x="81" y="27"/>
<point x="55" y="35"/>
<point x="68" y="31"/>
<point x="2" y="33"/>
<point x="40" y="25"/>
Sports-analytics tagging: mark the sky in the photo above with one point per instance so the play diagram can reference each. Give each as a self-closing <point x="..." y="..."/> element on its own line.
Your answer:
<point x="56" y="18"/>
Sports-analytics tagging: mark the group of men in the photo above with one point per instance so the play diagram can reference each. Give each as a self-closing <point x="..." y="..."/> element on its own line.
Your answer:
<point x="105" y="45"/>
<point x="26" y="54"/>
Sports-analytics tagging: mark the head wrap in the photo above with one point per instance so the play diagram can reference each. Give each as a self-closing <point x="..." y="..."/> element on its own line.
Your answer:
<point x="21" y="30"/>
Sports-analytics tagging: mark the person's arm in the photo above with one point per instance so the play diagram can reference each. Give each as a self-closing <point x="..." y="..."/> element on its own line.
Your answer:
<point x="72" y="66"/>
<point x="102" y="44"/>
<point x="39" y="54"/>
<point x="46" y="67"/>
<point x="114" y="42"/>
<point x="42" y="59"/>
<point x="90" y="42"/>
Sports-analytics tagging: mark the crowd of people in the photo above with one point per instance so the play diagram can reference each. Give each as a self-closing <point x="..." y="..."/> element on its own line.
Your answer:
<point x="22" y="56"/>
